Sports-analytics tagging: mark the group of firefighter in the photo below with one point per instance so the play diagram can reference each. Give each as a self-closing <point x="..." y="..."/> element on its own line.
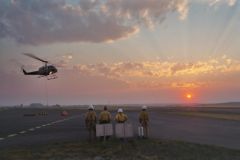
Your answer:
<point x="105" y="117"/>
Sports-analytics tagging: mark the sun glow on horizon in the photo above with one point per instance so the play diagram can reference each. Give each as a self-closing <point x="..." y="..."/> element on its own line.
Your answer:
<point x="189" y="96"/>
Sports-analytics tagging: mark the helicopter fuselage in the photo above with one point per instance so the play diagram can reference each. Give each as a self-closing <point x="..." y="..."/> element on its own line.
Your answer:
<point x="47" y="70"/>
<point x="42" y="71"/>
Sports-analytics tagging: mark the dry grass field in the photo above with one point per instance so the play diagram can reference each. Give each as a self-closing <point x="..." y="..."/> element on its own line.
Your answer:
<point x="118" y="150"/>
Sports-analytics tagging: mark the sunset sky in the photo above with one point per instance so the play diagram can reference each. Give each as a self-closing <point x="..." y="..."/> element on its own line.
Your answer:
<point x="121" y="51"/>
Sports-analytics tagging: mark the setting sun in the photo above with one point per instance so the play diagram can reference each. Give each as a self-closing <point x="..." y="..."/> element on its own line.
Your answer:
<point x="188" y="96"/>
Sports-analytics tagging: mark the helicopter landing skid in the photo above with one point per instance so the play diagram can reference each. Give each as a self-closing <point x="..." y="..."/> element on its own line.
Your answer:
<point x="41" y="76"/>
<point x="49" y="77"/>
<point x="52" y="76"/>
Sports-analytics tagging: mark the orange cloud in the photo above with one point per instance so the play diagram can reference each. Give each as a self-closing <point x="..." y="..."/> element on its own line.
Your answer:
<point x="63" y="61"/>
<point x="187" y="84"/>
<point x="157" y="73"/>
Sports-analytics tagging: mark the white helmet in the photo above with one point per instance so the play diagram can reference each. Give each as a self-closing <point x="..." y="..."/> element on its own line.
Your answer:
<point x="120" y="110"/>
<point x="91" y="107"/>
<point x="144" y="107"/>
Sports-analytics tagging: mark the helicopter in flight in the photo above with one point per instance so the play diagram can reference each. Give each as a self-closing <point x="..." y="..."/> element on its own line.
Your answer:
<point x="44" y="71"/>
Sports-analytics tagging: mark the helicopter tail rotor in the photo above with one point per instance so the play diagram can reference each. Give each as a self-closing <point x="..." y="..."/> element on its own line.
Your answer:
<point x="24" y="72"/>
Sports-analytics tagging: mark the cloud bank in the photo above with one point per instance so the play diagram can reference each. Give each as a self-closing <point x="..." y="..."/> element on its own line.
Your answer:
<point x="43" y="21"/>
<point x="163" y="73"/>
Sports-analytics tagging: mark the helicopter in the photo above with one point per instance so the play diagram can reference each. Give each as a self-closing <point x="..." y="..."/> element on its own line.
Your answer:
<point x="44" y="71"/>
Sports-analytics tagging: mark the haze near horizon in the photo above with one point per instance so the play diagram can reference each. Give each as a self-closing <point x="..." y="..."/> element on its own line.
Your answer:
<point x="121" y="51"/>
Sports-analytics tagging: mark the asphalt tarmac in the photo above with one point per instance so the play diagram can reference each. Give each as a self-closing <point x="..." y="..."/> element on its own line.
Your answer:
<point x="17" y="130"/>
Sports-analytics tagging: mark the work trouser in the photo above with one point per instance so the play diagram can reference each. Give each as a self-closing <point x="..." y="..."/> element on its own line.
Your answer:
<point x="145" y="128"/>
<point x="91" y="126"/>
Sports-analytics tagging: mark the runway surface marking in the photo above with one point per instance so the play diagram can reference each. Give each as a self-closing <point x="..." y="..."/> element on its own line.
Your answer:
<point x="38" y="127"/>
<point x="31" y="129"/>
<point x="22" y="132"/>
<point x="12" y="135"/>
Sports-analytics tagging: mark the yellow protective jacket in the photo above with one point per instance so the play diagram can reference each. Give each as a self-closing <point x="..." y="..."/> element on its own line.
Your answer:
<point x="90" y="119"/>
<point x="121" y="117"/>
<point x="144" y="118"/>
<point x="105" y="117"/>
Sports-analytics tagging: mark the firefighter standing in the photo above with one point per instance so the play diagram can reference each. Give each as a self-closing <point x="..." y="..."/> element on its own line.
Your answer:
<point x="120" y="116"/>
<point x="105" y="118"/>
<point x="90" y="121"/>
<point x="144" y="120"/>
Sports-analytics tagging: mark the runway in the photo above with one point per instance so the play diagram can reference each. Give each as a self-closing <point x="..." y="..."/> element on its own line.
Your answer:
<point x="18" y="130"/>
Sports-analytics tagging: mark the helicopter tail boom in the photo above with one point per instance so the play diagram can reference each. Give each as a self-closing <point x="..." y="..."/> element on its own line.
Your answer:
<point x="29" y="73"/>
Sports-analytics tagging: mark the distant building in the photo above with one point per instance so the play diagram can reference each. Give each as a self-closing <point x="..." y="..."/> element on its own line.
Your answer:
<point x="36" y="105"/>
<point x="57" y="105"/>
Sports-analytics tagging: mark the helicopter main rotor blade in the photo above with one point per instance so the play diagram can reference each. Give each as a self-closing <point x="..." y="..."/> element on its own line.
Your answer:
<point x="35" y="57"/>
